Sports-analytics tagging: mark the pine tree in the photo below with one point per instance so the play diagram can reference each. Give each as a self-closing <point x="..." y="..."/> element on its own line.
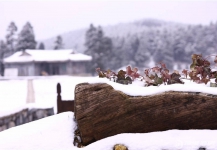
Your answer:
<point x="58" y="43"/>
<point x="117" y="52"/>
<point x="26" y="38"/>
<point x="164" y="50"/>
<point x="10" y="38"/>
<point x="3" y="50"/>
<point x="90" y="40"/>
<point x="99" y="47"/>
<point x="41" y="46"/>
<point x="142" y="56"/>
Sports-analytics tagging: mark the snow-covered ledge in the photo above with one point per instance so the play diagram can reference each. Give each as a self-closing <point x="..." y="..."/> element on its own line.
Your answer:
<point x="137" y="87"/>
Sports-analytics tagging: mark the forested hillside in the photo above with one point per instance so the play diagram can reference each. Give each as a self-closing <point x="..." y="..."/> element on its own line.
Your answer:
<point x="139" y="42"/>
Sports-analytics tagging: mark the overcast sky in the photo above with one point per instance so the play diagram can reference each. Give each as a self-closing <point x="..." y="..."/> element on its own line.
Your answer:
<point x="50" y="18"/>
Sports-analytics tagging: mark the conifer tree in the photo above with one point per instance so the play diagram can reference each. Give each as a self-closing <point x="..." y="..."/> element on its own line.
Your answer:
<point x="58" y="43"/>
<point x="26" y="38"/>
<point x="3" y="49"/>
<point x="41" y="46"/>
<point x="98" y="46"/>
<point x="10" y="38"/>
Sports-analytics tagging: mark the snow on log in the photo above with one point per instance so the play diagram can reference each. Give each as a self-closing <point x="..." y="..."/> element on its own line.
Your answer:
<point x="101" y="111"/>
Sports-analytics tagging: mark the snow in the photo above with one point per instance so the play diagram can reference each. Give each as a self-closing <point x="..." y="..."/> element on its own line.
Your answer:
<point x="11" y="72"/>
<point x="57" y="133"/>
<point x="46" y="55"/>
<point x="138" y="89"/>
<point x="13" y="90"/>
<point x="12" y="96"/>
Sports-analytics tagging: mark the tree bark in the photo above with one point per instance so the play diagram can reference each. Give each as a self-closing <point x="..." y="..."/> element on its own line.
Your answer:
<point x="101" y="111"/>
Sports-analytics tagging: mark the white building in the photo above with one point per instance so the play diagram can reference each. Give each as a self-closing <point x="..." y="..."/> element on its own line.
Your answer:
<point x="47" y="62"/>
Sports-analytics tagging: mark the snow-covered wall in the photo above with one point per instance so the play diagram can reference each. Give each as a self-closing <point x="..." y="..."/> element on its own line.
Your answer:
<point x="24" y="116"/>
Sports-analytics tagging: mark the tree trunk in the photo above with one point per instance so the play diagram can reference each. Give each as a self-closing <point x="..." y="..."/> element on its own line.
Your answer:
<point x="101" y="111"/>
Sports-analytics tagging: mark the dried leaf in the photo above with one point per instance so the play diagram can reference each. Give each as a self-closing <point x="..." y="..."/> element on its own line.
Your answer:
<point x="194" y="78"/>
<point x="148" y="80"/>
<point x="156" y="69"/>
<point x="163" y="65"/>
<point x="132" y="73"/>
<point x="200" y="62"/>
<point x="176" y="71"/>
<point x="166" y="71"/>
<point x="185" y="72"/>
<point x="215" y="60"/>
<point x="192" y="67"/>
<point x="146" y="72"/>
<point x="152" y="77"/>
<point x="206" y="63"/>
<point x="128" y="70"/>
<point x="121" y="75"/>
<point x="205" y="80"/>
<point x="194" y="56"/>
<point x="175" y="79"/>
<point x="135" y="69"/>
<point x="100" y="73"/>
<point x="157" y="80"/>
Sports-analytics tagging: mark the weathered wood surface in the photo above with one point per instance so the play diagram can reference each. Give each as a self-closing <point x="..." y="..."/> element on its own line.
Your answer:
<point x="101" y="111"/>
<point x="63" y="106"/>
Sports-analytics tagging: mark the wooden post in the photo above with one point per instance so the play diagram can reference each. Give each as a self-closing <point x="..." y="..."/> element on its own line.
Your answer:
<point x="59" y="99"/>
<point x="63" y="106"/>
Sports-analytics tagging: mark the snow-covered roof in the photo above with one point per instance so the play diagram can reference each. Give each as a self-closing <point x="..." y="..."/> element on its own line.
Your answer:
<point x="46" y="56"/>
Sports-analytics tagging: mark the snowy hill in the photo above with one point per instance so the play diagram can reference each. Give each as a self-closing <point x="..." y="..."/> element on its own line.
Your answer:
<point x="75" y="39"/>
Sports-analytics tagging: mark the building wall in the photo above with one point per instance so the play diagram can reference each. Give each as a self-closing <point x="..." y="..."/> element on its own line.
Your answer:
<point x="44" y="68"/>
<point x="76" y="68"/>
<point x="69" y="68"/>
<point x="63" y="68"/>
<point x="37" y="69"/>
<point x="24" y="69"/>
<point x="51" y="68"/>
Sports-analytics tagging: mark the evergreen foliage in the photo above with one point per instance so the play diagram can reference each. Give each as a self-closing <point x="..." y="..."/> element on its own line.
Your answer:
<point x="98" y="46"/>
<point x="10" y="38"/>
<point x="3" y="50"/>
<point x="41" y="46"/>
<point x="26" y="38"/>
<point x="158" y="41"/>
<point x="58" y="43"/>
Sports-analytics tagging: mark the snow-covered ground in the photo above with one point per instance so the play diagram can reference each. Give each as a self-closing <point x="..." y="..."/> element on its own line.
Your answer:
<point x="57" y="133"/>
<point x="13" y="91"/>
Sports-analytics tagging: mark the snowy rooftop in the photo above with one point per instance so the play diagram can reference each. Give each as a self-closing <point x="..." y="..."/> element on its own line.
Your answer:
<point x="46" y="56"/>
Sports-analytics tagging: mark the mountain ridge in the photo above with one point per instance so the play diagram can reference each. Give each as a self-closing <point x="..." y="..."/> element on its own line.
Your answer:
<point x="75" y="39"/>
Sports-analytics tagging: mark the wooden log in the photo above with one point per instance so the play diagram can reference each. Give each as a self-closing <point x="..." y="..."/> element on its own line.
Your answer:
<point x="101" y="111"/>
